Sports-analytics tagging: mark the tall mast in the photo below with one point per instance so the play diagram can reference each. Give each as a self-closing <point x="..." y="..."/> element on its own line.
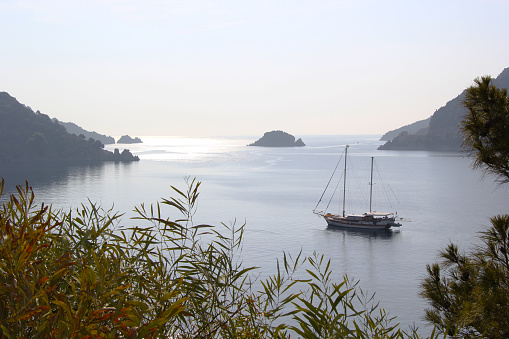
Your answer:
<point x="344" y="182"/>
<point x="371" y="186"/>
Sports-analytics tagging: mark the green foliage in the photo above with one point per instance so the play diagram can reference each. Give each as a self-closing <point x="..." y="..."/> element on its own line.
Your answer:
<point x="486" y="127"/>
<point x="70" y="276"/>
<point x="331" y="310"/>
<point x="80" y="274"/>
<point x="469" y="294"/>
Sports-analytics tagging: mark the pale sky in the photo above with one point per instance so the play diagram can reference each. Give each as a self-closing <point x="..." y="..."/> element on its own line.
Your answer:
<point x="219" y="68"/>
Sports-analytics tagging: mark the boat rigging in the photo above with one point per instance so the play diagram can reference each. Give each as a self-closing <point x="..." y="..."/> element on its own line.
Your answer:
<point x="368" y="220"/>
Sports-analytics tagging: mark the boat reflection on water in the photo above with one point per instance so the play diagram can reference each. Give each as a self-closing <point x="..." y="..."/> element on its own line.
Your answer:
<point x="364" y="233"/>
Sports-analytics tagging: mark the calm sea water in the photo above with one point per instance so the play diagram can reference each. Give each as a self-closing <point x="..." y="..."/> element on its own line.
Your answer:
<point x="274" y="190"/>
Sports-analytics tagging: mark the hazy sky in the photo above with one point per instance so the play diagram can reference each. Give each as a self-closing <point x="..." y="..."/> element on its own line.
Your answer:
<point x="212" y="68"/>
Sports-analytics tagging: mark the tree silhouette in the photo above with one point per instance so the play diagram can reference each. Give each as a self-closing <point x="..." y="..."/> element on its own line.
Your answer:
<point x="486" y="127"/>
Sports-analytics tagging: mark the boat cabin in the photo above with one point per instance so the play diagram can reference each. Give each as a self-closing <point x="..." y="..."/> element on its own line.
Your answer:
<point x="371" y="217"/>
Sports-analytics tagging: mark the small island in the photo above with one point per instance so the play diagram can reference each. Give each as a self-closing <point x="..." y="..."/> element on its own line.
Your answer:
<point x="278" y="139"/>
<point x="126" y="139"/>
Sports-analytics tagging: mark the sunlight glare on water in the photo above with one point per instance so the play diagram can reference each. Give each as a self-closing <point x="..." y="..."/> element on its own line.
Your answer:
<point x="178" y="148"/>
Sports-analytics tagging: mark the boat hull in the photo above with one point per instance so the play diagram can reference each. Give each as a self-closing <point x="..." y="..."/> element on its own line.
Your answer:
<point x="359" y="224"/>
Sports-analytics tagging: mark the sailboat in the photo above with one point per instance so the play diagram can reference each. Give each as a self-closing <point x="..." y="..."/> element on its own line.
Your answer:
<point x="366" y="221"/>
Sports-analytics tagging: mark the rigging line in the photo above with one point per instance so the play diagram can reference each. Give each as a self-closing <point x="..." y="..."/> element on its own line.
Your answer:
<point x="339" y="161"/>
<point x="334" y="193"/>
<point x="386" y="187"/>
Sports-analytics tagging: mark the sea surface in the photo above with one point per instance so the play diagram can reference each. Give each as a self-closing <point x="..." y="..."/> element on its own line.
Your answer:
<point x="438" y="197"/>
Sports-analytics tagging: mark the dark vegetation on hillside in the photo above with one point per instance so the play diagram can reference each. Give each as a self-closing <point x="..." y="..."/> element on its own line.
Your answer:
<point x="29" y="135"/>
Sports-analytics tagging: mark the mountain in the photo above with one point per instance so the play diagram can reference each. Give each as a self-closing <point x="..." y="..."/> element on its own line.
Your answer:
<point x="75" y="129"/>
<point x="443" y="133"/>
<point x="277" y="139"/>
<point x="29" y="135"/>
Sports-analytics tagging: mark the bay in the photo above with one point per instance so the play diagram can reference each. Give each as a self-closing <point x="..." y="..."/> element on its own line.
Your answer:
<point x="274" y="190"/>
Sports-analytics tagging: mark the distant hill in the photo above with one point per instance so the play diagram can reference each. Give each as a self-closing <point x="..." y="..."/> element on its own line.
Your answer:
<point x="278" y="139"/>
<point x="419" y="127"/>
<point x="29" y="135"/>
<point x="443" y="133"/>
<point x="75" y="129"/>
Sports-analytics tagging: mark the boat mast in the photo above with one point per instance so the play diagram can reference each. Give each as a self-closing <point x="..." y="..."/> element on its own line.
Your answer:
<point x="371" y="186"/>
<point x="344" y="182"/>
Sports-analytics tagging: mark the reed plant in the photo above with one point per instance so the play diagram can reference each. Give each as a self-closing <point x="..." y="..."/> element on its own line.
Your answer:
<point x="82" y="274"/>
